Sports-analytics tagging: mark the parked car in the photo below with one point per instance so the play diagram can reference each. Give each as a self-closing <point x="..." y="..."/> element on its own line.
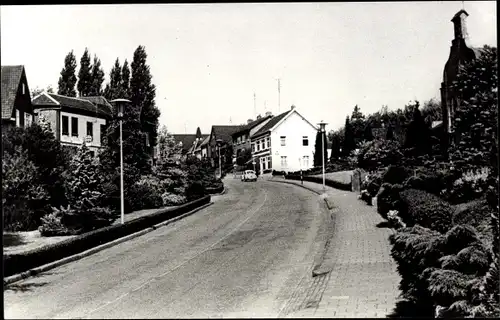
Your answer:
<point x="249" y="175"/>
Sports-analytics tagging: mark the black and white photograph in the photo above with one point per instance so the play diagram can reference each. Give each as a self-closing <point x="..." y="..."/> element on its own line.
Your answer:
<point x="250" y="160"/>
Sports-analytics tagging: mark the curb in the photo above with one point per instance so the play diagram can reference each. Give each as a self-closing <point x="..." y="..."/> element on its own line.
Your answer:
<point x="78" y="256"/>
<point x="328" y="204"/>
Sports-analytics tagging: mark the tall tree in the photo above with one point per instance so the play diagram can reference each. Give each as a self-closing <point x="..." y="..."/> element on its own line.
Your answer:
<point x="142" y="95"/>
<point x="125" y="81"/>
<point x="357" y="125"/>
<point x="67" y="80"/>
<point x="97" y="78"/>
<point x="84" y="77"/>
<point x="349" y="142"/>
<point x="113" y="88"/>
<point x="318" y="157"/>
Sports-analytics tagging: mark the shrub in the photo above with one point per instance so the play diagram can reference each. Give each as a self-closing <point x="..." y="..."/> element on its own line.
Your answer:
<point x="379" y="153"/>
<point x="141" y="196"/>
<point x="395" y="175"/>
<point x="195" y="190"/>
<point x="268" y="171"/>
<point x="52" y="224"/>
<point x="388" y="198"/>
<point x="425" y="209"/>
<point x="372" y="183"/>
<point x="24" y="200"/>
<point x="170" y="199"/>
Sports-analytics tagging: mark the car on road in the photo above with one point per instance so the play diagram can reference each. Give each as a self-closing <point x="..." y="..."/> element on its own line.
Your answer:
<point x="249" y="175"/>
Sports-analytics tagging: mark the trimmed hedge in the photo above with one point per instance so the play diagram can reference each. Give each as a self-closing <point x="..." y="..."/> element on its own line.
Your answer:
<point x="425" y="209"/>
<point x="20" y="262"/>
<point x="330" y="183"/>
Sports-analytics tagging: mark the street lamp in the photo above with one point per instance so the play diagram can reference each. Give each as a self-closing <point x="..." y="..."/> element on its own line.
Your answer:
<point x="219" y="143"/>
<point x="120" y="103"/>
<point x="322" y="130"/>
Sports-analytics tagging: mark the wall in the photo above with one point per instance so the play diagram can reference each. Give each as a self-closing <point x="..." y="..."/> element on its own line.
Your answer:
<point x="82" y="129"/>
<point x="294" y="128"/>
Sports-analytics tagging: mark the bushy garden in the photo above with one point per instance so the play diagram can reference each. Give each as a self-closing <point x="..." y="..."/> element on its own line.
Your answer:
<point x="444" y="206"/>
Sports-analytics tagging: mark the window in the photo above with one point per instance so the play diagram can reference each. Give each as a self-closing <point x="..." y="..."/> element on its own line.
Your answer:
<point x="305" y="141"/>
<point x="258" y="146"/>
<point x="74" y="127"/>
<point x="23" y="89"/>
<point x="267" y="143"/>
<point x="27" y="119"/>
<point x="253" y="147"/>
<point x="283" y="140"/>
<point x="65" y="126"/>
<point x="103" y="133"/>
<point x="147" y="139"/>
<point x="90" y="129"/>
<point x="18" y="120"/>
<point x="305" y="161"/>
<point x="283" y="162"/>
<point x="262" y="144"/>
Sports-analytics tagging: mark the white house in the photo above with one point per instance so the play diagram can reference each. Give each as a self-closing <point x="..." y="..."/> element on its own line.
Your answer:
<point x="284" y="143"/>
<point x="74" y="120"/>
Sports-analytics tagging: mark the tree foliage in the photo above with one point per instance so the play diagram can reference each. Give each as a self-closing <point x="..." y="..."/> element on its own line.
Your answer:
<point x="84" y="76"/>
<point x="97" y="78"/>
<point x="321" y="143"/>
<point x="67" y="80"/>
<point x="113" y="89"/>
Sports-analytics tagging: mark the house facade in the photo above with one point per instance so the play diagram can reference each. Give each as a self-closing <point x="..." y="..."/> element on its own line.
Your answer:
<point x="74" y="120"/>
<point x="17" y="109"/>
<point x="223" y="133"/>
<point x="241" y="138"/>
<point x="460" y="53"/>
<point x="284" y="143"/>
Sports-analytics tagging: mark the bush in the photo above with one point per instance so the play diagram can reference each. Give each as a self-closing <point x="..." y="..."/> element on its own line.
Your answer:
<point x="268" y="171"/>
<point x="195" y="190"/>
<point x="19" y="262"/>
<point x="52" y="224"/>
<point x="24" y="200"/>
<point x="388" y="198"/>
<point x="379" y="153"/>
<point x="425" y="209"/>
<point x="395" y="175"/>
<point x="170" y="199"/>
<point x="372" y="183"/>
<point x="141" y="196"/>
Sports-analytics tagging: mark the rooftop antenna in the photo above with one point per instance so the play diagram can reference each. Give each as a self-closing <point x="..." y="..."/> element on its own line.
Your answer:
<point x="463" y="5"/>
<point x="230" y="121"/>
<point x="279" y="95"/>
<point x="254" y="106"/>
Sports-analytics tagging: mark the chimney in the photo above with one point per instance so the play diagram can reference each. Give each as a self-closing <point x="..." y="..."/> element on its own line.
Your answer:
<point x="249" y="121"/>
<point x="460" y="26"/>
<point x="259" y="116"/>
<point x="292" y="107"/>
<point x="268" y="114"/>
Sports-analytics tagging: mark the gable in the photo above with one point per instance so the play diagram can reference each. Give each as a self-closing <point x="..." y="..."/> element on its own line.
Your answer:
<point x="292" y="115"/>
<point x="44" y="99"/>
<point x="11" y="82"/>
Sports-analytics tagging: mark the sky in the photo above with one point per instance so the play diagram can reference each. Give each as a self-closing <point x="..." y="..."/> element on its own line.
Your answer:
<point x="208" y="60"/>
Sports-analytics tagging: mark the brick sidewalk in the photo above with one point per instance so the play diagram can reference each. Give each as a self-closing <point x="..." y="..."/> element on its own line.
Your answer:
<point x="363" y="281"/>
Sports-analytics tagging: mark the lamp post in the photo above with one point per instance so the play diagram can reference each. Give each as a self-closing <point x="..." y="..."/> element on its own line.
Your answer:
<point x="120" y="104"/>
<point x="322" y="130"/>
<point x="219" y="142"/>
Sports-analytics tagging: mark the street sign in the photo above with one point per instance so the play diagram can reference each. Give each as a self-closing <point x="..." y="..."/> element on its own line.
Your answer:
<point x="88" y="139"/>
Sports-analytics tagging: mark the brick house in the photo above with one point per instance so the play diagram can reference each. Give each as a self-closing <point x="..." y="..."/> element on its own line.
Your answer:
<point x="17" y="109"/>
<point x="74" y="120"/>
<point x="224" y="133"/>
<point x="460" y="53"/>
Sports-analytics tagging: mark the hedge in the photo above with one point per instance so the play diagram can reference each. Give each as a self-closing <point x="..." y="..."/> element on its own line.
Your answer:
<point x="20" y="262"/>
<point x="331" y="183"/>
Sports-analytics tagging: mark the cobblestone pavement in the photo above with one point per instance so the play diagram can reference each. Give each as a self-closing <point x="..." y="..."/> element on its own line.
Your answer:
<point x="363" y="281"/>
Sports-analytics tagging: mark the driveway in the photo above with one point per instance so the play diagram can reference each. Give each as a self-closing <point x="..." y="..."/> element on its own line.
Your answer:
<point x="251" y="254"/>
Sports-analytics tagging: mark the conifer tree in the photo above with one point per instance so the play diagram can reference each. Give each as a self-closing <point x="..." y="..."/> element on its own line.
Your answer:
<point x="125" y="81"/>
<point x="318" y="157"/>
<point x="67" y="80"/>
<point x="84" y="77"/>
<point x="113" y="89"/>
<point x="97" y="78"/>
<point x="349" y="143"/>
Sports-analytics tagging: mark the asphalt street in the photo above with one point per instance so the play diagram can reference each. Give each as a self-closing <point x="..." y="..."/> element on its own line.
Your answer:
<point x="250" y="254"/>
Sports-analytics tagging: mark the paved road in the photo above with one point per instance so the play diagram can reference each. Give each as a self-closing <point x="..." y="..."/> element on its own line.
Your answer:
<point x="248" y="255"/>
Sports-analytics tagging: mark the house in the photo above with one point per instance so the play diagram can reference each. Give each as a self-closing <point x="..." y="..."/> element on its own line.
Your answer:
<point x="188" y="142"/>
<point x="201" y="150"/>
<point x="241" y="138"/>
<point x="17" y="109"/>
<point x="460" y="53"/>
<point x="224" y="134"/>
<point x="74" y="120"/>
<point x="284" y="143"/>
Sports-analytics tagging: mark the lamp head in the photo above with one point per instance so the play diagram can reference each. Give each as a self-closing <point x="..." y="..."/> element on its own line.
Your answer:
<point x="120" y="103"/>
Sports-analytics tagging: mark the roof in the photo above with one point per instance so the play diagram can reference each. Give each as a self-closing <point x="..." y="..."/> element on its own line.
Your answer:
<point x="225" y="132"/>
<point x="11" y="76"/>
<point x="205" y="141"/>
<point x="252" y="124"/>
<point x="72" y="102"/>
<point x="458" y="14"/>
<point x="100" y="100"/>
<point x="187" y="140"/>
<point x="197" y="143"/>
<point x="271" y="123"/>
